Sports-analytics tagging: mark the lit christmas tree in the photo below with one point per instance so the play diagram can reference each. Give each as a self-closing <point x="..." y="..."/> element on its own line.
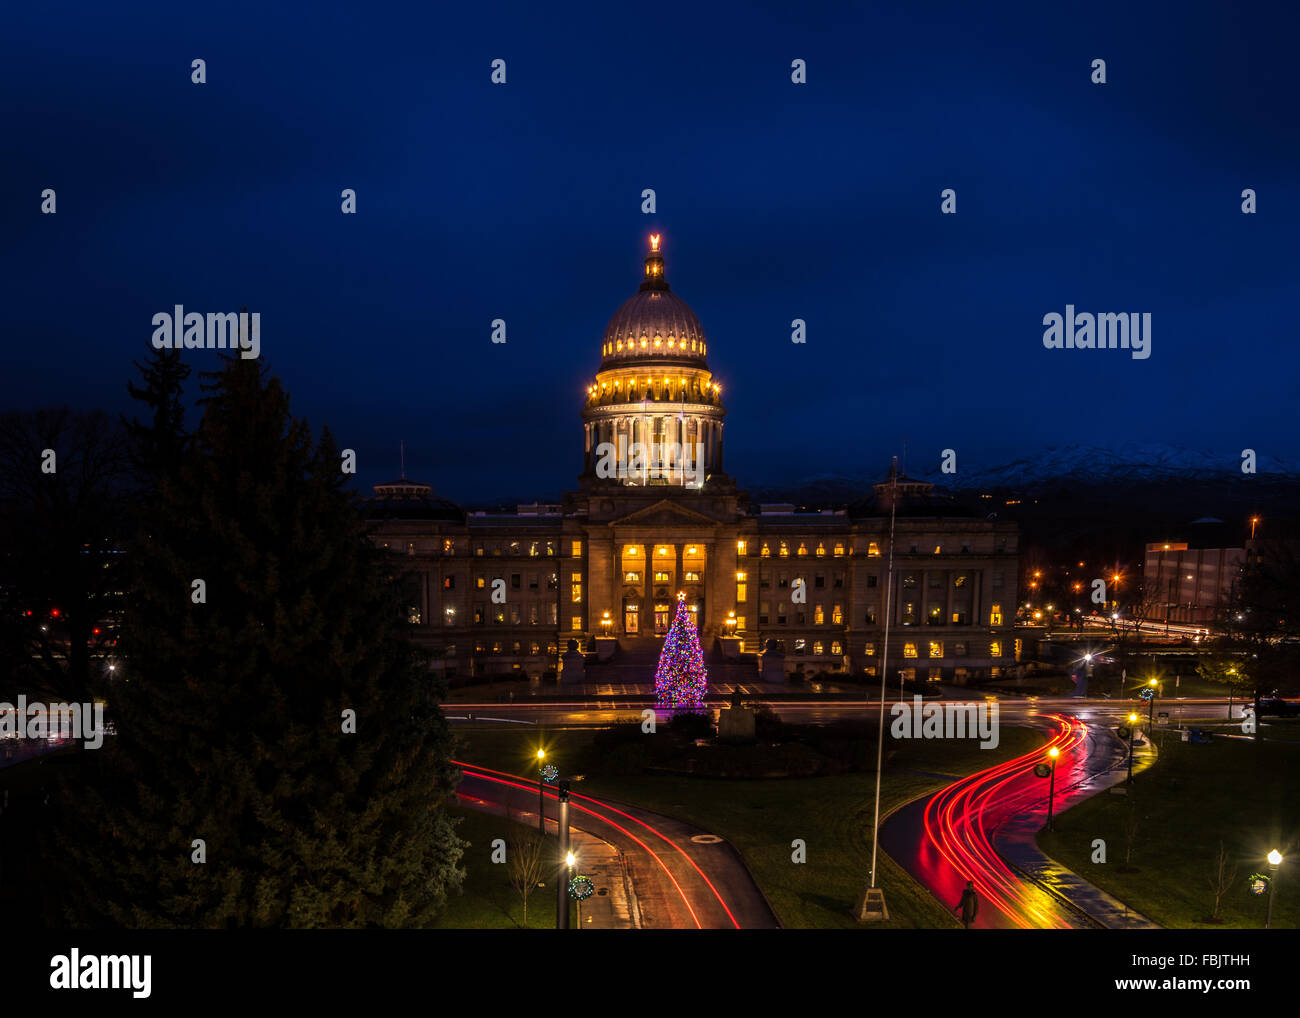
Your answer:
<point x="681" y="680"/>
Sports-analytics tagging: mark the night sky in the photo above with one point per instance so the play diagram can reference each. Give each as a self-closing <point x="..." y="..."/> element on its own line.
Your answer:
<point x="776" y="201"/>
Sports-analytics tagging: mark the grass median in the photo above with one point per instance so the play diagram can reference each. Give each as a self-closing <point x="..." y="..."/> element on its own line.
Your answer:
<point x="1237" y="792"/>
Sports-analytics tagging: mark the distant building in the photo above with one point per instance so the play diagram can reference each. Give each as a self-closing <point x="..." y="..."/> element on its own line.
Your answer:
<point x="1192" y="580"/>
<point x="655" y="514"/>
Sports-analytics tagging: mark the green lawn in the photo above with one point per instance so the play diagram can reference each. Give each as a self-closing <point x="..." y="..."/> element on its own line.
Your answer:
<point x="762" y="817"/>
<point x="487" y="901"/>
<point x="1194" y="796"/>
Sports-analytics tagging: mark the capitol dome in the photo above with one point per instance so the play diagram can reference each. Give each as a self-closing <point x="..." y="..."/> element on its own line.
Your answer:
<point x="654" y="392"/>
<point x="654" y="324"/>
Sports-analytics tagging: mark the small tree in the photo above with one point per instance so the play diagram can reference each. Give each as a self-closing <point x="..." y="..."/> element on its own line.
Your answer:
<point x="1225" y="872"/>
<point x="525" y="861"/>
<point x="1130" y="836"/>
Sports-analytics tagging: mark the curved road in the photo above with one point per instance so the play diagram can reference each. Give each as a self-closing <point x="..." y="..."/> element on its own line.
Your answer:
<point x="679" y="883"/>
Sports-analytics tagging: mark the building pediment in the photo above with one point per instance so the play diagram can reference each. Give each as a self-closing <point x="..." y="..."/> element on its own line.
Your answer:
<point x="664" y="513"/>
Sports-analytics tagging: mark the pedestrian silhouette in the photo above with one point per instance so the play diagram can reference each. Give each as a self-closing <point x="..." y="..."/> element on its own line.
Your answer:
<point x="969" y="904"/>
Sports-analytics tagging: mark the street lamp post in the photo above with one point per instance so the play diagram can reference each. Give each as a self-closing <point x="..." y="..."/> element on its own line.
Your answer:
<point x="1051" y="786"/>
<point x="565" y="860"/>
<point x="1274" y="861"/>
<point x="541" y="797"/>
<point x="1132" y="720"/>
<point x="1151" y="710"/>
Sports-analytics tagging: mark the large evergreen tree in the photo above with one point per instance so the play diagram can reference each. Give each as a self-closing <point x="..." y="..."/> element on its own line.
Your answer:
<point x="230" y="712"/>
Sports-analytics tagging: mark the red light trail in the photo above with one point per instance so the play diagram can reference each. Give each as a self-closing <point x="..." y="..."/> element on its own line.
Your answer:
<point x="960" y="820"/>
<point x="486" y="774"/>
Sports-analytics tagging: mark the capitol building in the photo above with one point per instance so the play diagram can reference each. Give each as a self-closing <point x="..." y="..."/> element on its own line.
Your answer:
<point x="655" y="514"/>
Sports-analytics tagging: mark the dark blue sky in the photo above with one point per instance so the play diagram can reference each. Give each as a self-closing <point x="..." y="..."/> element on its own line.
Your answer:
<point x="776" y="201"/>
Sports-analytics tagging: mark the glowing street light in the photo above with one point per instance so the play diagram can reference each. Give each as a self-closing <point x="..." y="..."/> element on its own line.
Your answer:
<point x="1132" y="722"/>
<point x="541" y="798"/>
<point x="1051" y="785"/>
<point x="1274" y="861"/>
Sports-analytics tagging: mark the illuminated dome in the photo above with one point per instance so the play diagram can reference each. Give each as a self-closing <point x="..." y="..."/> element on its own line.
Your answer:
<point x="654" y="394"/>
<point x="654" y="324"/>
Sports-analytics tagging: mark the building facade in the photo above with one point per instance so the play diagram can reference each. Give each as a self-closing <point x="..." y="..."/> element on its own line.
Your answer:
<point x="654" y="514"/>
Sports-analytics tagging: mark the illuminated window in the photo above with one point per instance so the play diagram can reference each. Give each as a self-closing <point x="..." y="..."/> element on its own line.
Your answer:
<point x="550" y="547"/>
<point x="496" y="647"/>
<point x="449" y="583"/>
<point x="836" y="648"/>
<point x="631" y="577"/>
<point x="837" y="615"/>
<point x="869" y="650"/>
<point x="741" y="587"/>
<point x="690" y="577"/>
<point x="938" y="549"/>
<point x="514" y="547"/>
<point x="448" y="547"/>
<point x="785" y="550"/>
<point x="661" y="576"/>
<point x="803" y="549"/>
<point x="499" y="616"/>
<point x="821" y="550"/>
<point x="479" y="581"/>
<point x="449" y="616"/>
<point x="995" y="615"/>
<point x="532" y="614"/>
<point x="818" y="648"/>
<point x="909" y="613"/>
<point x="765" y="552"/>
<point x="575" y="623"/>
<point x="819" y="615"/>
<point x="909" y="650"/>
<point x="799" y="646"/>
<point x="959" y="581"/>
<point x="575" y="588"/>
<point x="533" y="550"/>
<point x="839" y="550"/>
<point x="740" y="628"/>
<point x="936" y="648"/>
<point x="936" y="615"/>
<point x="873" y="550"/>
<point x="740" y="547"/>
<point x="576" y="551"/>
<point x="1018" y="645"/>
<point x="995" y="648"/>
<point x="554" y="620"/>
<point x="534" y="649"/>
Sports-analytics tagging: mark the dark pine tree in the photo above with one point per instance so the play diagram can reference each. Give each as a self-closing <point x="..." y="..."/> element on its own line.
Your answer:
<point x="231" y="711"/>
<point x="157" y="445"/>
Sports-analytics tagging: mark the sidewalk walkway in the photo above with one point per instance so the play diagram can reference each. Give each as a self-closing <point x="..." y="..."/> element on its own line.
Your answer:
<point x="614" y="909"/>
<point x="1017" y="839"/>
